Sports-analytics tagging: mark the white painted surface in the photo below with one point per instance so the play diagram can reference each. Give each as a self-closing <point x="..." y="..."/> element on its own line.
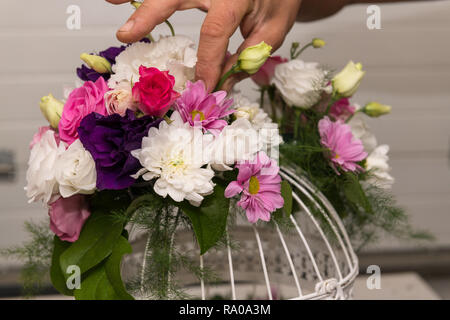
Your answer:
<point x="407" y="65"/>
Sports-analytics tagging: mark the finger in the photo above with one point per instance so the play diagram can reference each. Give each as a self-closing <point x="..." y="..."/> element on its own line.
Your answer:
<point x="145" y="19"/>
<point x="221" y="22"/>
<point x="270" y="34"/>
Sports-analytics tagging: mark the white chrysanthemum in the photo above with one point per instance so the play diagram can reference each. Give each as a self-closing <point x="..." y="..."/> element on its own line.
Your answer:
<point x="174" y="54"/>
<point x="75" y="171"/>
<point x="377" y="164"/>
<point x="41" y="181"/>
<point x="176" y="154"/>
<point x="300" y="83"/>
<point x="237" y="142"/>
<point x="361" y="130"/>
<point x="268" y="131"/>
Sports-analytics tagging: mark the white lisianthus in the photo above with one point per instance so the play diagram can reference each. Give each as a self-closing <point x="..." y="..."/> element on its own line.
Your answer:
<point x="347" y="82"/>
<point x="361" y="131"/>
<point x="377" y="164"/>
<point x="75" y="171"/>
<point x="237" y="142"/>
<point x="176" y="154"/>
<point x="300" y="83"/>
<point x="41" y="180"/>
<point x="174" y="54"/>
<point x="253" y="58"/>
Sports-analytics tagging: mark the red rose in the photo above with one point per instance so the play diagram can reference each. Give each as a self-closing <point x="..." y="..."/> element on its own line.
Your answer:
<point x="265" y="73"/>
<point x="154" y="91"/>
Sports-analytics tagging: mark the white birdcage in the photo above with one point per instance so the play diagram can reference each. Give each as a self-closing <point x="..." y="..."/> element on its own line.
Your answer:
<point x="311" y="259"/>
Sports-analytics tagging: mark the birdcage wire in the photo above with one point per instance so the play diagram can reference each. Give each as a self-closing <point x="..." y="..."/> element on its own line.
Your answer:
<point x="319" y="261"/>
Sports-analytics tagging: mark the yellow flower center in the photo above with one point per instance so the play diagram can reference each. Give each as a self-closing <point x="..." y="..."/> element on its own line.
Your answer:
<point x="195" y="113"/>
<point x="177" y="162"/>
<point x="253" y="185"/>
<point x="336" y="156"/>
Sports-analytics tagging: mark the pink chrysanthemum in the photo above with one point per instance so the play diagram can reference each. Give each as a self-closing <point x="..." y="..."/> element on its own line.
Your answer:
<point x="260" y="184"/>
<point x="345" y="150"/>
<point x="200" y="108"/>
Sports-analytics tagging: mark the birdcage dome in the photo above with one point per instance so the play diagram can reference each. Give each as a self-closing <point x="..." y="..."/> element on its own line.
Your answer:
<point x="309" y="256"/>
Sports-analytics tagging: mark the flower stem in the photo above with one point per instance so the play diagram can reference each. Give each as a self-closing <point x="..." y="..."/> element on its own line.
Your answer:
<point x="334" y="98"/>
<point x="172" y="30"/>
<point x="233" y="70"/>
<point x="261" y="100"/>
<point x="295" y="56"/>
<point x="298" y="114"/>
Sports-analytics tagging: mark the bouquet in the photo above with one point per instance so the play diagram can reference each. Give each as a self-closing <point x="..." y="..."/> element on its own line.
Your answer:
<point x="141" y="142"/>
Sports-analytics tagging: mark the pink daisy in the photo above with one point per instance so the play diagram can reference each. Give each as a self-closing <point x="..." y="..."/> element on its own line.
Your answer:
<point x="200" y="108"/>
<point x="260" y="185"/>
<point x="345" y="150"/>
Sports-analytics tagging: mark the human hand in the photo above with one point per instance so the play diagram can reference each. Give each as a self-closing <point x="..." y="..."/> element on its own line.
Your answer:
<point x="258" y="20"/>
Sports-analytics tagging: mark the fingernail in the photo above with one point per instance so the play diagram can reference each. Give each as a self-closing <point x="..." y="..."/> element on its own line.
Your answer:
<point x="127" y="26"/>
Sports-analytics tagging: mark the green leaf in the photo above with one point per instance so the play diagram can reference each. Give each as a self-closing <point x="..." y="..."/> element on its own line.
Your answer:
<point x="286" y="193"/>
<point x="281" y="214"/>
<point x="56" y="275"/>
<point x="96" y="286"/>
<point x="355" y="193"/>
<point x="96" y="241"/>
<point x="210" y="219"/>
<point x="112" y="268"/>
<point x="104" y="281"/>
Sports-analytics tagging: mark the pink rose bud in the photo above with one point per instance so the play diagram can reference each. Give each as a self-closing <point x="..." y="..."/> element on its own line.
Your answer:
<point x="120" y="100"/>
<point x="264" y="75"/>
<point x="154" y="91"/>
<point x="67" y="217"/>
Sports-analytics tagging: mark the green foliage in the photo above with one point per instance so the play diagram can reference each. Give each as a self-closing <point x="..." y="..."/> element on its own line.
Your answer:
<point x="160" y="219"/>
<point x="286" y="192"/>
<point x="210" y="219"/>
<point x="97" y="252"/>
<point x="367" y="212"/>
<point x="104" y="282"/>
<point x="36" y="255"/>
<point x="96" y="242"/>
<point x="56" y="274"/>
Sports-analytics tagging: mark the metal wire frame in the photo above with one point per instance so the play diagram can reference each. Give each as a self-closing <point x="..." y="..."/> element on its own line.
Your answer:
<point x="325" y="288"/>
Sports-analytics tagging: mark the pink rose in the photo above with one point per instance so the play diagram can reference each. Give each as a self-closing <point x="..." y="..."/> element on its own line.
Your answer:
<point x="38" y="135"/>
<point x="265" y="73"/>
<point x="81" y="102"/>
<point x="120" y="100"/>
<point x="342" y="110"/>
<point x="154" y="91"/>
<point x="67" y="217"/>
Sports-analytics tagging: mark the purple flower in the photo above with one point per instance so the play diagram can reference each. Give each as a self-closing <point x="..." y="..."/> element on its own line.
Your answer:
<point x="110" y="140"/>
<point x="88" y="74"/>
<point x="110" y="54"/>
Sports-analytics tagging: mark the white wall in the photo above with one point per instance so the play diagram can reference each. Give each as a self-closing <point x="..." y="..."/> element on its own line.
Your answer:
<point x="407" y="65"/>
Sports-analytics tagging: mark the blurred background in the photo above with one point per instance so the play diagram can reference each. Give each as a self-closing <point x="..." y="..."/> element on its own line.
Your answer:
<point x="408" y="67"/>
